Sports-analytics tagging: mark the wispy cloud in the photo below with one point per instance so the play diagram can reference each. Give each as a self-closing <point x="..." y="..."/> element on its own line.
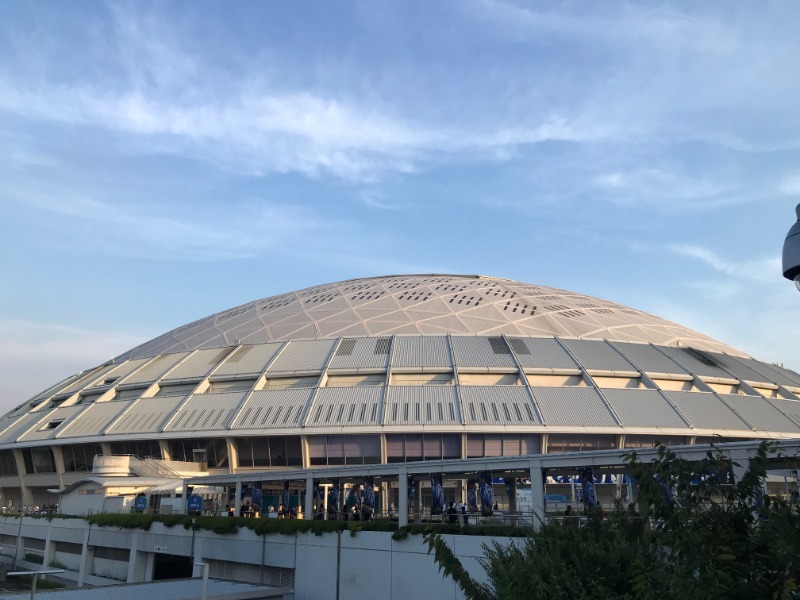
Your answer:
<point x="763" y="269"/>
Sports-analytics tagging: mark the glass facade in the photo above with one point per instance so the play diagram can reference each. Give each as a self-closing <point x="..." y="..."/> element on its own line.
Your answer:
<point x="428" y="446"/>
<point x="138" y="448"/>
<point x="344" y="450"/>
<point x="270" y="451"/>
<point x="80" y="457"/>
<point x="506" y="444"/>
<point x="39" y="460"/>
<point x="579" y="443"/>
<point x="216" y="451"/>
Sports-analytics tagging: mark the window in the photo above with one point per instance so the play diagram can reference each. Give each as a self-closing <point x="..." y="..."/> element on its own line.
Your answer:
<point x="355" y="380"/>
<point x="216" y="451"/>
<point x="183" y="389"/>
<point x="269" y="452"/>
<point x="285" y="383"/>
<point x="80" y="457"/>
<point x="236" y="385"/>
<point x="648" y="441"/>
<point x="430" y="446"/>
<point x="139" y="449"/>
<point x="8" y="465"/>
<point x="580" y="443"/>
<point x="507" y="444"/>
<point x="422" y="379"/>
<point x="344" y="449"/>
<point x="39" y="460"/>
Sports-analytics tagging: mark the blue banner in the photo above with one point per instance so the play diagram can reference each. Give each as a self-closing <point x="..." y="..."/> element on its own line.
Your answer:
<point x="258" y="496"/>
<point x="140" y="504"/>
<point x="195" y="503"/>
<point x="437" y="494"/>
<point x="487" y="494"/>
<point x="369" y="492"/>
<point x="472" y="495"/>
<point x="333" y="498"/>
<point x="587" y="482"/>
<point x="285" y="497"/>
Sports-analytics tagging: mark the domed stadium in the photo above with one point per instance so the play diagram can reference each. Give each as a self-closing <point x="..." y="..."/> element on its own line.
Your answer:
<point x="395" y="369"/>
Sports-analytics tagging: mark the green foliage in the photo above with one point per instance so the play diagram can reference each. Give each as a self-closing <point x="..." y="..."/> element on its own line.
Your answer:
<point x="42" y="584"/>
<point x="34" y="558"/>
<point x="699" y="536"/>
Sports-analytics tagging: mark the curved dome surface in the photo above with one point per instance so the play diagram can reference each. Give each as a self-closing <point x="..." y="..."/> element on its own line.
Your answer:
<point x="425" y="305"/>
<point x="393" y="369"/>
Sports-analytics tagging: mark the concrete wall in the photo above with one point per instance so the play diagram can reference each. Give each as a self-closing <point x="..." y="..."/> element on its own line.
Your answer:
<point x="368" y="565"/>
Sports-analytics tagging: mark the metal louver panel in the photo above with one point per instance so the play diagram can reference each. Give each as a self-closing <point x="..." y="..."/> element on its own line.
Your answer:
<point x="648" y="359"/>
<point x="156" y="368"/>
<point x="643" y="408"/>
<point x="120" y="372"/>
<point x="421" y="405"/>
<point x="248" y="360"/>
<point x="42" y="432"/>
<point x="573" y="407"/>
<point x="272" y="409"/>
<point x="479" y="351"/>
<point x="20" y="425"/>
<point x="544" y="353"/>
<point x="147" y="415"/>
<point x="772" y="373"/>
<point x="87" y="379"/>
<point x="93" y="420"/>
<point x="421" y="351"/>
<point x="760" y="413"/>
<point x="205" y="412"/>
<point x="497" y="405"/>
<point x="699" y="363"/>
<point x="354" y="353"/>
<point x="740" y="371"/>
<point x="706" y="411"/>
<point x="787" y="407"/>
<point x="346" y="407"/>
<point x="303" y="355"/>
<point x="198" y="364"/>
<point x="597" y="355"/>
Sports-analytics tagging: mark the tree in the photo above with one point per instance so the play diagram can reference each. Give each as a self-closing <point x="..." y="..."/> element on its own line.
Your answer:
<point x="697" y="534"/>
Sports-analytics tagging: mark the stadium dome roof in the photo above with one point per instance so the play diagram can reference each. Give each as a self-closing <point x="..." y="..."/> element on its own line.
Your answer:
<point x="424" y="305"/>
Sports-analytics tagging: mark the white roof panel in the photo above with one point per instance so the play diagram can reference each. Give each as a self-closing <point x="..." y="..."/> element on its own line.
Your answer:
<point x="420" y="405"/>
<point x="573" y="406"/>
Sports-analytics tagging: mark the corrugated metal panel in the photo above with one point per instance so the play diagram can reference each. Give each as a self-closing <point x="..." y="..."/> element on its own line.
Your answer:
<point x="643" y="408"/>
<point x="87" y="379"/>
<point x="773" y="373"/>
<point x="155" y="369"/>
<point x="205" y="412"/>
<point x="303" y="355"/>
<point x="346" y="407"/>
<point x="421" y="405"/>
<point x="249" y="360"/>
<point x="598" y="355"/>
<point x="421" y="351"/>
<point x="689" y="359"/>
<point x="706" y="411"/>
<point x="147" y="415"/>
<point x="60" y="414"/>
<point x="649" y="359"/>
<point x="788" y="407"/>
<point x="17" y="427"/>
<point x="740" y="371"/>
<point x="121" y="371"/>
<point x="543" y="353"/>
<point x="93" y="420"/>
<point x="353" y="353"/>
<point x="577" y="407"/>
<point x="198" y="364"/>
<point x="760" y="413"/>
<point x="497" y="405"/>
<point x="266" y="409"/>
<point x="479" y="351"/>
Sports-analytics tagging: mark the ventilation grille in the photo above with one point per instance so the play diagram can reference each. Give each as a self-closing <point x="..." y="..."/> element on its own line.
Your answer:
<point x="371" y="295"/>
<point x="418" y="295"/>
<point x="519" y="307"/>
<point x="519" y="346"/>
<point x="466" y="300"/>
<point x="277" y="302"/>
<point x="498" y="345"/>
<point x="382" y="346"/>
<point x="346" y="347"/>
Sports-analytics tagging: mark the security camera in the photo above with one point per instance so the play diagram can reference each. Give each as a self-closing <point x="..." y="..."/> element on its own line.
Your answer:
<point x="791" y="252"/>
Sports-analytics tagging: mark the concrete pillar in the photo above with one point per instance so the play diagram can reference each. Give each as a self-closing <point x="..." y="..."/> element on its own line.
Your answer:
<point x="309" y="503"/>
<point x="134" y="558"/>
<point x="402" y="497"/>
<point x="385" y="497"/>
<point x="237" y="500"/>
<point x="87" y="554"/>
<point x="537" y="493"/>
<point x="197" y="556"/>
<point x="233" y="456"/>
<point x="165" y="453"/>
<point x="185" y="499"/>
<point x="49" y="549"/>
<point x="27" y="496"/>
<point x="58" y="459"/>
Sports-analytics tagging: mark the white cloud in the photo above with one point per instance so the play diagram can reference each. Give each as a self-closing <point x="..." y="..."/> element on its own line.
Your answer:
<point x="763" y="269"/>
<point x="790" y="185"/>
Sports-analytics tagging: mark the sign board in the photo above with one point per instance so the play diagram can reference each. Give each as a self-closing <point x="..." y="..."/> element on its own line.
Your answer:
<point x="140" y="503"/>
<point x="160" y="549"/>
<point x="195" y="503"/>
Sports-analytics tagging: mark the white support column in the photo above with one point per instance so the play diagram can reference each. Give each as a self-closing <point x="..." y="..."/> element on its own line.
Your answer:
<point x="185" y="499"/>
<point x="237" y="500"/>
<point x="133" y="557"/>
<point x="87" y="554"/>
<point x="49" y="549"/>
<point x="402" y="498"/>
<point x="309" y="504"/>
<point x="537" y="493"/>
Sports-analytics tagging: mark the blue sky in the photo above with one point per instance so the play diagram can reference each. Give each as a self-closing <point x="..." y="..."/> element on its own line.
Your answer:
<point x="163" y="161"/>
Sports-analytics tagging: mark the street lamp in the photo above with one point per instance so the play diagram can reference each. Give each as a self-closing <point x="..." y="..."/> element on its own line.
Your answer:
<point x="791" y="252"/>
